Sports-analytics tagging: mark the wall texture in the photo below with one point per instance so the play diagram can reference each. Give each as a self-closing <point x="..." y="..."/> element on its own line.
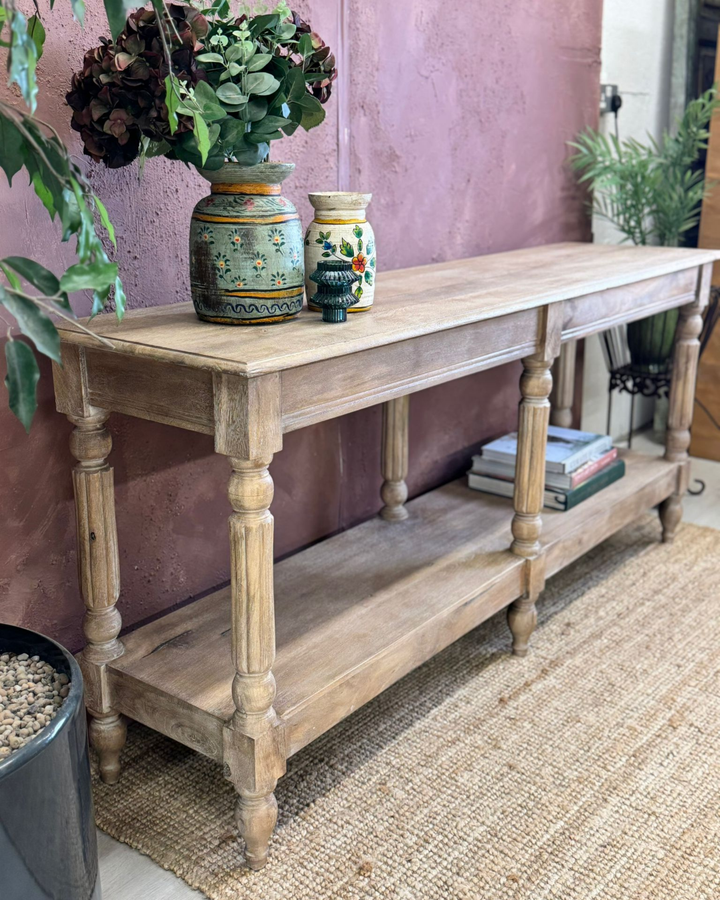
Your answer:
<point x="458" y="116"/>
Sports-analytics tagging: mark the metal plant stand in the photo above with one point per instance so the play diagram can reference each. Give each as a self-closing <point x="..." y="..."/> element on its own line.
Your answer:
<point x="625" y="376"/>
<point x="647" y="380"/>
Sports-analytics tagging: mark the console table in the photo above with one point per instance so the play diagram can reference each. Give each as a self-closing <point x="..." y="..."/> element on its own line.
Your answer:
<point x="339" y="622"/>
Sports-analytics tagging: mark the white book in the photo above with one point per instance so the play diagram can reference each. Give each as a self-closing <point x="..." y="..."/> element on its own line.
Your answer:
<point x="506" y="489"/>
<point x="567" y="449"/>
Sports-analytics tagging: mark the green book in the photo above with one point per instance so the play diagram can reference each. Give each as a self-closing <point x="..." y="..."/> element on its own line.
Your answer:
<point x="566" y="500"/>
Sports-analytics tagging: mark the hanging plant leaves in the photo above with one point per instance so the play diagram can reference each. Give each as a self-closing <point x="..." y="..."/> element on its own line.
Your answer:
<point x="21" y="380"/>
<point x="120" y="298"/>
<point x="37" y="33"/>
<point x="88" y="277"/>
<point x="23" y="59"/>
<point x="38" y="276"/>
<point x="105" y="219"/>
<point x="34" y="324"/>
<point x="11" y="148"/>
<point x="117" y="12"/>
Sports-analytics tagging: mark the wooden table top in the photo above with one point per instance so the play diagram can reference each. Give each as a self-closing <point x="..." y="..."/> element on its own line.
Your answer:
<point x="408" y="303"/>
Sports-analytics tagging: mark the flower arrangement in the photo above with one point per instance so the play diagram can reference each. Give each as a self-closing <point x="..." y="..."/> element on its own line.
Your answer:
<point x="200" y="85"/>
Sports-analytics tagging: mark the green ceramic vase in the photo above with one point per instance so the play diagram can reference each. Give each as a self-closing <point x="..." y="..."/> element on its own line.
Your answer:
<point x="246" y="248"/>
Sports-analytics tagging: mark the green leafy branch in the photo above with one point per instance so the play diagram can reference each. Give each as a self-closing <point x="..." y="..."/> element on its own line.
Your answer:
<point x="26" y="142"/>
<point x="653" y="191"/>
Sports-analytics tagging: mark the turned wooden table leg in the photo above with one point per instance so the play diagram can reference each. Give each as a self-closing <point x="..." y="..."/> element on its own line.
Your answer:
<point x="682" y="398"/>
<point x="563" y="393"/>
<point x="253" y="747"/>
<point x="395" y="452"/>
<point x="248" y="430"/>
<point x="534" y="413"/>
<point x="98" y="568"/>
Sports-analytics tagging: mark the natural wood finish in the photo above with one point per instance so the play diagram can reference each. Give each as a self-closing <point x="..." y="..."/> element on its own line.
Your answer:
<point x="442" y="573"/>
<point x="253" y="752"/>
<point x="563" y="393"/>
<point x="569" y="535"/>
<point x="335" y="387"/>
<point x="605" y="309"/>
<point x="408" y="303"/>
<point x="99" y="576"/>
<point x="682" y="400"/>
<point x="359" y="611"/>
<point x="248" y="430"/>
<point x="247" y="416"/>
<point x="534" y="413"/>
<point x="395" y="458"/>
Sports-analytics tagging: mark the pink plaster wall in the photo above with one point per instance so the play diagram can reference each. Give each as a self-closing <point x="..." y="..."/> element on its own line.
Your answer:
<point x="458" y="117"/>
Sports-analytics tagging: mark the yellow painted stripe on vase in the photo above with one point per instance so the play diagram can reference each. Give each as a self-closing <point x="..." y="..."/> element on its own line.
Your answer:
<point x="246" y="188"/>
<point x="267" y="220"/>
<point x="340" y="221"/>
<point x="266" y="320"/>
<point x="265" y="295"/>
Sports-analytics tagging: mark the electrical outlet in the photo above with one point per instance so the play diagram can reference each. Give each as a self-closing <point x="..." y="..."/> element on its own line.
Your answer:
<point x="607" y="92"/>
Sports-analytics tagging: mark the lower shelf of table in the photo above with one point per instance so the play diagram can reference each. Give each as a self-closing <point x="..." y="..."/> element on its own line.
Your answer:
<point x="357" y="612"/>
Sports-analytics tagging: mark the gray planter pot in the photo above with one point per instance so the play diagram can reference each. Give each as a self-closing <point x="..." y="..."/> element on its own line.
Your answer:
<point x="48" y="846"/>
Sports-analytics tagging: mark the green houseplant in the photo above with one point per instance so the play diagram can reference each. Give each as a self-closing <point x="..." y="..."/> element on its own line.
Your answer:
<point x="31" y="294"/>
<point x="214" y="89"/>
<point x="652" y="193"/>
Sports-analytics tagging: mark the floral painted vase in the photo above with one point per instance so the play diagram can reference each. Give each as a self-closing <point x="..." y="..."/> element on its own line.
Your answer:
<point x="246" y="250"/>
<point x="341" y="231"/>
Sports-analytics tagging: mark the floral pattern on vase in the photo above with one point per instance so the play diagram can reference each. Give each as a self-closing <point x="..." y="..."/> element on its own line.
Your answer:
<point x="246" y="259"/>
<point x="340" y="230"/>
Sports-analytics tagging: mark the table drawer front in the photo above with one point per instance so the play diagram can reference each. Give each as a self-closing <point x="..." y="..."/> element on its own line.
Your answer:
<point x="338" y="386"/>
<point x="598" y="312"/>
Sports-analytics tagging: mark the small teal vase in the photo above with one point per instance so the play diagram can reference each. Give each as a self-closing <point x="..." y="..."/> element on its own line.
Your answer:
<point x="246" y="248"/>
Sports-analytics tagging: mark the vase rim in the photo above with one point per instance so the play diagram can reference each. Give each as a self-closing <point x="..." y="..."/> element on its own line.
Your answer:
<point x="262" y="173"/>
<point x="326" y="200"/>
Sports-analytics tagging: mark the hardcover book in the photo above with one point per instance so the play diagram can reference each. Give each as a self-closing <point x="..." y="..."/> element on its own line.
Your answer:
<point x="567" y="449"/>
<point x="553" y="499"/>
<point x="554" y="480"/>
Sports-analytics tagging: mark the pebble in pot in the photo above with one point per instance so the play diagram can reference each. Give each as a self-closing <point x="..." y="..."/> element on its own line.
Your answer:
<point x="31" y="692"/>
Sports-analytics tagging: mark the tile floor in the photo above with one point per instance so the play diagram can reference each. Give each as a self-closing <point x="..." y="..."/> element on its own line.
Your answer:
<point x="128" y="875"/>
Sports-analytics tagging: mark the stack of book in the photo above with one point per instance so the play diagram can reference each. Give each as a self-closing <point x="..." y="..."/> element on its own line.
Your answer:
<point x="578" y="464"/>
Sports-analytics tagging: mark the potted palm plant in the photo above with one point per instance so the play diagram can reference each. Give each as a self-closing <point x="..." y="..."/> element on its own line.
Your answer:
<point x="652" y="194"/>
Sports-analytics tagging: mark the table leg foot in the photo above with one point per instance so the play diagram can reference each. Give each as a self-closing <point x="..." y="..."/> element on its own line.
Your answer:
<point x="107" y="736"/>
<point x="256" y="817"/>
<point x="671" y="511"/>
<point x="522" y="619"/>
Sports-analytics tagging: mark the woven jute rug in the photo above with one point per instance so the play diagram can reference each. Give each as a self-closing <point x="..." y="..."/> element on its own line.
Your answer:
<point x="590" y="769"/>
